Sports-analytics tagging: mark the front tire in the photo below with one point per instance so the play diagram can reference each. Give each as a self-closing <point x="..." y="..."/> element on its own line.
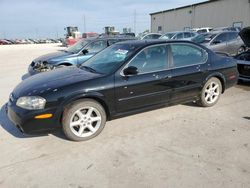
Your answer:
<point x="83" y="120"/>
<point x="211" y="92"/>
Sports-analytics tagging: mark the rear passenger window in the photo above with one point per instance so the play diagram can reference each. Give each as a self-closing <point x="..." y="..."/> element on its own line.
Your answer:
<point x="187" y="35"/>
<point x="179" y="36"/>
<point x="151" y="59"/>
<point x="232" y="36"/>
<point x="186" y="55"/>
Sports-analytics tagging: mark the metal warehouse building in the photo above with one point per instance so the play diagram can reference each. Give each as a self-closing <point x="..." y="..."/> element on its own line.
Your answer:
<point x="213" y="13"/>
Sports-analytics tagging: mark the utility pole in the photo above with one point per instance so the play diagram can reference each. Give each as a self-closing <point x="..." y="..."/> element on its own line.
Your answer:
<point x="135" y="21"/>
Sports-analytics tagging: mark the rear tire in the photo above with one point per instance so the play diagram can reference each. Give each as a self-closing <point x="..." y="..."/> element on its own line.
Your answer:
<point x="211" y="92"/>
<point x="83" y="120"/>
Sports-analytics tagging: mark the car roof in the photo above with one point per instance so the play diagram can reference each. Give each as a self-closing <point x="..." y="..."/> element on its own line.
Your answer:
<point x="108" y="38"/>
<point x="219" y="32"/>
<point x="144" y="43"/>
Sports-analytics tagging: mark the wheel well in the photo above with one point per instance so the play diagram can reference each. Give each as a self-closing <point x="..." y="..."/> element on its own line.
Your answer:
<point x="222" y="81"/>
<point x="104" y="105"/>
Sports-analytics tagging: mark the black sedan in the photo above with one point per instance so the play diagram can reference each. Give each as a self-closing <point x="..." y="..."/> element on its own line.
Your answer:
<point x="125" y="78"/>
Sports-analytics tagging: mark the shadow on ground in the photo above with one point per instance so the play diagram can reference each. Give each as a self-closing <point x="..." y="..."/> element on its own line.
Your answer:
<point x="243" y="85"/>
<point x="8" y="126"/>
<point x="248" y="118"/>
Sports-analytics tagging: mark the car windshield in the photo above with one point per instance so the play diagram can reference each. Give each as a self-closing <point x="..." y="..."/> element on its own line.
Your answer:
<point x="77" y="46"/>
<point x="167" y="36"/>
<point x="209" y="37"/>
<point x="109" y="59"/>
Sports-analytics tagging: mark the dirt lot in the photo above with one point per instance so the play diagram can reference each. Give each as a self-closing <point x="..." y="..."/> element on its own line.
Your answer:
<point x="179" y="146"/>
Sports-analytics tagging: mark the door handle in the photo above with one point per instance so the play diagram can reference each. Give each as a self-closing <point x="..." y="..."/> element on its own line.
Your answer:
<point x="167" y="77"/>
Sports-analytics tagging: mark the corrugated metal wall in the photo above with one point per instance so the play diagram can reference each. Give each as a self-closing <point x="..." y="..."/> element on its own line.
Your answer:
<point x="214" y="14"/>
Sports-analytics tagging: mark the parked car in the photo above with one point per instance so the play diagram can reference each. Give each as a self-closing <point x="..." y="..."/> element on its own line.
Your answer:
<point x="236" y="29"/>
<point x="202" y="30"/>
<point x="243" y="59"/>
<point x="4" y="42"/>
<point x="74" y="55"/>
<point x="126" y="78"/>
<point x="150" y="36"/>
<point x="179" y="35"/>
<point x="224" y="41"/>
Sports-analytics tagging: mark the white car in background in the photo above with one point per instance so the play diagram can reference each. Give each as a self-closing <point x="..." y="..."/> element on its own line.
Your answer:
<point x="202" y="30"/>
<point x="150" y="36"/>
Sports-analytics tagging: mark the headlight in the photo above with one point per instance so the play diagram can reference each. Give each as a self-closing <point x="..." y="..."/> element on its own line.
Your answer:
<point x="31" y="102"/>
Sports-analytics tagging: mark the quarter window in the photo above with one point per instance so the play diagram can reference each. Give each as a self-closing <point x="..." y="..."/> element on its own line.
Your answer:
<point x="186" y="55"/>
<point x="151" y="59"/>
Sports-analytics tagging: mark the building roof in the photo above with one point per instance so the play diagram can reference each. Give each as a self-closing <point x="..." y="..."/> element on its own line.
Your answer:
<point x="201" y="3"/>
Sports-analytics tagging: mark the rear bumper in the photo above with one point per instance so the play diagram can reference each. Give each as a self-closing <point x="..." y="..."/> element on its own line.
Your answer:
<point x="24" y="120"/>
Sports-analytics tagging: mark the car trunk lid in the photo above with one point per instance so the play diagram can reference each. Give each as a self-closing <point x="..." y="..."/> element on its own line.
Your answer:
<point x="245" y="36"/>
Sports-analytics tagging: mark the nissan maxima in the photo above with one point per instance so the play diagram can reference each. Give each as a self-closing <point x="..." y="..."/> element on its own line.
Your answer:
<point x="124" y="79"/>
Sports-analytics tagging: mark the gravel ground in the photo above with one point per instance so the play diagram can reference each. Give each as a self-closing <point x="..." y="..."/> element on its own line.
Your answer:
<point x="179" y="146"/>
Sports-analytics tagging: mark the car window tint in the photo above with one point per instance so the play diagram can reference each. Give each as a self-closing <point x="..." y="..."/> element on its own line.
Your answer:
<point x="97" y="46"/>
<point x="222" y="38"/>
<point x="155" y="36"/>
<point x="151" y="59"/>
<point x="192" y="34"/>
<point x="232" y="36"/>
<point x="185" y="55"/>
<point x="148" y="37"/>
<point x="187" y="35"/>
<point x="113" y="41"/>
<point x="179" y="36"/>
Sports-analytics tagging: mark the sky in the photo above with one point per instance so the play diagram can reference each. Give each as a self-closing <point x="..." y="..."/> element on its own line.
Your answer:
<point x="48" y="18"/>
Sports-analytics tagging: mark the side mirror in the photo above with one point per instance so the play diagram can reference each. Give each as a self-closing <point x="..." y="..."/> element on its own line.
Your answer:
<point x="130" y="71"/>
<point x="217" y="42"/>
<point x="85" y="51"/>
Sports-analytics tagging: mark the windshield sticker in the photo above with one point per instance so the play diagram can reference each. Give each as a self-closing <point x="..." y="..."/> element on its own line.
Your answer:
<point x="122" y="52"/>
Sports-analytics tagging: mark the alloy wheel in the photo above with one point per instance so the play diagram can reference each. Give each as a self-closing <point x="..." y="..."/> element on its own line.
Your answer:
<point x="85" y="121"/>
<point x="212" y="92"/>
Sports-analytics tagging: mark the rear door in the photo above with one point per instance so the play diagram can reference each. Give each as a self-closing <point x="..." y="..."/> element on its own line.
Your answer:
<point x="233" y="43"/>
<point x="150" y="86"/>
<point x="189" y="70"/>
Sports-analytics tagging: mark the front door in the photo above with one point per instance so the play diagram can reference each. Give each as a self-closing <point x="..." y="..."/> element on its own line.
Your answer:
<point x="149" y="86"/>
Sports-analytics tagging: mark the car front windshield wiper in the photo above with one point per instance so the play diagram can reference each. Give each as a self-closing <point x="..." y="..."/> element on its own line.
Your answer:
<point x="89" y="69"/>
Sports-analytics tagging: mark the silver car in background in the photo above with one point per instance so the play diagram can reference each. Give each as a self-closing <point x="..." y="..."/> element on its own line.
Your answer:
<point x="227" y="42"/>
<point x="179" y="35"/>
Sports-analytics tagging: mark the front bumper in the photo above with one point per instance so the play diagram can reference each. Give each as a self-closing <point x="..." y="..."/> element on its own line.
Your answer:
<point x="32" y="71"/>
<point x="26" y="122"/>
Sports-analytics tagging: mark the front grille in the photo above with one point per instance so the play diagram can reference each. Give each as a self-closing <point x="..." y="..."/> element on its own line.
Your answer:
<point x="32" y="64"/>
<point x="244" y="70"/>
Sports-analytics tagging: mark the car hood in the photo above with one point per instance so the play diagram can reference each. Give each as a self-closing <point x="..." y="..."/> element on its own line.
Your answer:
<point x="245" y="36"/>
<point x="52" y="81"/>
<point x="55" y="55"/>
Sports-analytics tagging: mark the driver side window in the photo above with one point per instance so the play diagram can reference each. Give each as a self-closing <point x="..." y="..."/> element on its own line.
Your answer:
<point x="97" y="46"/>
<point x="151" y="59"/>
<point x="220" y="39"/>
